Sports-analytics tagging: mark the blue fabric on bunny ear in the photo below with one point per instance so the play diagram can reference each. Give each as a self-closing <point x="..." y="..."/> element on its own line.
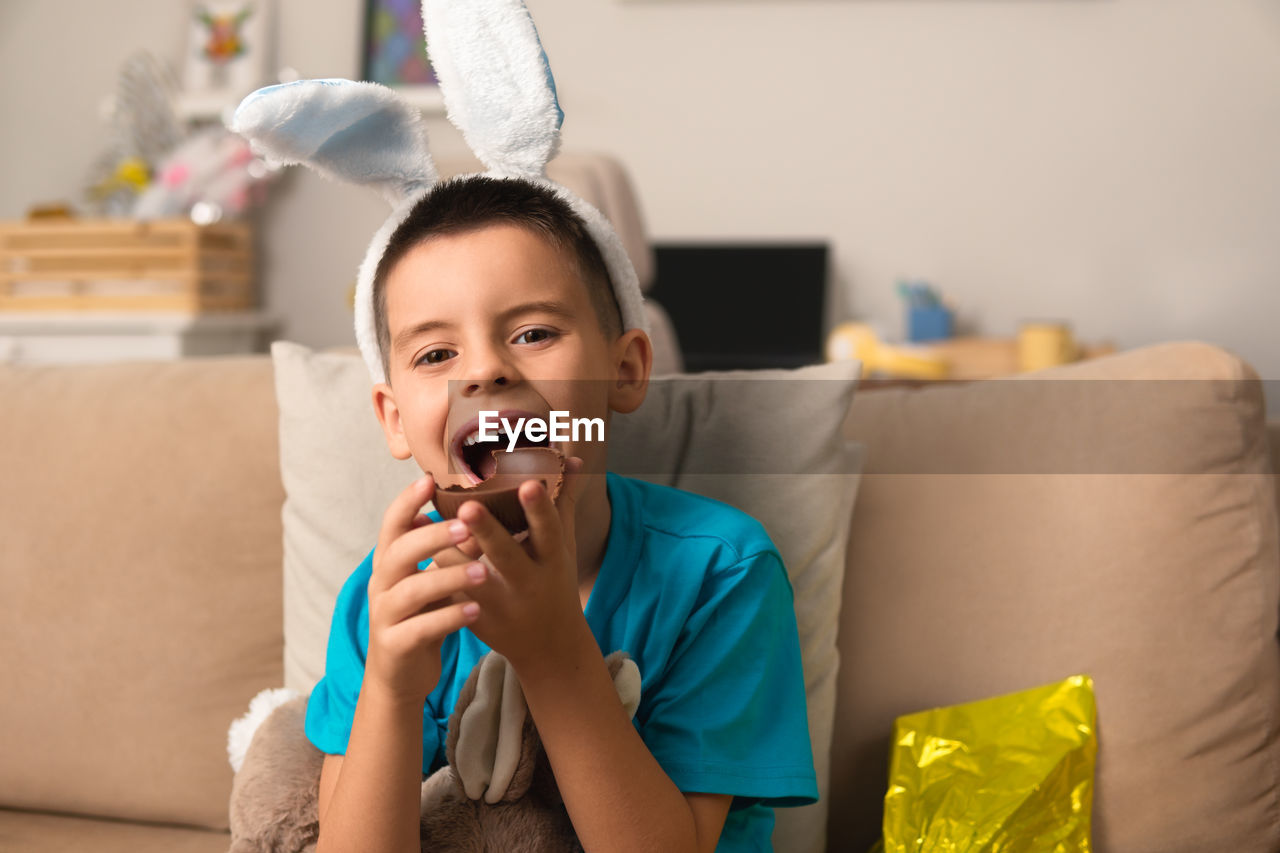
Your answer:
<point x="498" y="90"/>
<point x="361" y="133"/>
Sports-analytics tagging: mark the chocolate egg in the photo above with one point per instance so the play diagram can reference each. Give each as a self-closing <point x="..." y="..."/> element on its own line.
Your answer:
<point x="499" y="492"/>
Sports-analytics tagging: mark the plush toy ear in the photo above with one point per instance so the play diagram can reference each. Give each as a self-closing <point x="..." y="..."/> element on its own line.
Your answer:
<point x="496" y="82"/>
<point x="486" y="732"/>
<point x="626" y="680"/>
<point x="360" y="133"/>
<point x="488" y="736"/>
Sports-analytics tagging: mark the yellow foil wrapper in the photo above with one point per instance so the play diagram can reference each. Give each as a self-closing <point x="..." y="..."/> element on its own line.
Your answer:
<point x="1012" y="773"/>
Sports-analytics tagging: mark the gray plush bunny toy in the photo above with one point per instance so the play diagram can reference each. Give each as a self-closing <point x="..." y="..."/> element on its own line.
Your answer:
<point x="497" y="792"/>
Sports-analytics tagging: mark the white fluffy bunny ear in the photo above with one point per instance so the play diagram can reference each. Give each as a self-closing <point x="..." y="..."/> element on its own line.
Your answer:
<point x="496" y="82"/>
<point x="360" y="133"/>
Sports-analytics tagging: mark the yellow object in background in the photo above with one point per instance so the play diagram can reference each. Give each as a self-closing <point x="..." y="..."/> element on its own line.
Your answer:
<point x="1013" y="773"/>
<point x="1042" y="345"/>
<point x="131" y="173"/>
<point x="858" y="340"/>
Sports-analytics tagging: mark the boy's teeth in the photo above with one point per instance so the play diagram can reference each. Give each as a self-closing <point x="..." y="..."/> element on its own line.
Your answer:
<point x="474" y="438"/>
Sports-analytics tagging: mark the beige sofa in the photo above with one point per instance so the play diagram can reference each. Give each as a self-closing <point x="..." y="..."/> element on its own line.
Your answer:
<point x="1116" y="518"/>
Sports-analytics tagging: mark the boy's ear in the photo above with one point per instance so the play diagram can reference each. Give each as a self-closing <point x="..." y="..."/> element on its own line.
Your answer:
<point x="633" y="357"/>
<point x="384" y="406"/>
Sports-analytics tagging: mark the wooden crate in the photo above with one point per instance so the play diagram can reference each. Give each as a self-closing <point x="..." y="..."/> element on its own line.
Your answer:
<point x="95" y="265"/>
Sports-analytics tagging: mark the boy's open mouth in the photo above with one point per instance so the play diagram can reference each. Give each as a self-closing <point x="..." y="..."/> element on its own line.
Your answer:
<point x="474" y="458"/>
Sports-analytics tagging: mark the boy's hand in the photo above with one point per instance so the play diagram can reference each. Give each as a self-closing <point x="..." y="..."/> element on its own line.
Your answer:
<point x="412" y="611"/>
<point x="532" y="596"/>
<point x="457" y="555"/>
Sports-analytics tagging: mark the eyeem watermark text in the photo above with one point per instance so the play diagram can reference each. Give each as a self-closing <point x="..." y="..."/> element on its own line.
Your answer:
<point x="557" y="427"/>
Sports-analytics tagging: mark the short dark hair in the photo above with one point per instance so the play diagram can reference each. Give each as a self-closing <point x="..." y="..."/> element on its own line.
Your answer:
<point x="474" y="201"/>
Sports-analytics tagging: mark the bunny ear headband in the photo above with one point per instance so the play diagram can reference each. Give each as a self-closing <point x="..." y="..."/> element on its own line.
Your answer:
<point x="498" y="91"/>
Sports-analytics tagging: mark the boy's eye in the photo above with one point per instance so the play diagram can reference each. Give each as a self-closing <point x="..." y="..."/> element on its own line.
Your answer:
<point x="436" y="356"/>
<point x="533" y="336"/>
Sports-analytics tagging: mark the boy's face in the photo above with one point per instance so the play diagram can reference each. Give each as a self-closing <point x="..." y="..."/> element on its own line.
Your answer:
<point x="496" y="319"/>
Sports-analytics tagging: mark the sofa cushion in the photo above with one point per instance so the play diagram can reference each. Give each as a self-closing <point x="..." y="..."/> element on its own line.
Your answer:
<point x="1097" y="518"/>
<point x="769" y="443"/>
<point x="32" y="832"/>
<point x="139" y="582"/>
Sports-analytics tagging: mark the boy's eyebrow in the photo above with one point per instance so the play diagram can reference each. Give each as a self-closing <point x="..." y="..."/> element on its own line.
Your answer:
<point x="546" y="306"/>
<point x="413" y="332"/>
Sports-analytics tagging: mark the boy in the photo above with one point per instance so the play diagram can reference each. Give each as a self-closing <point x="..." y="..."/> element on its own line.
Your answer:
<point x="491" y="295"/>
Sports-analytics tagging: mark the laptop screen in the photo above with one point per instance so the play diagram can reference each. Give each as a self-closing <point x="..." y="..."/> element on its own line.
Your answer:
<point x="743" y="306"/>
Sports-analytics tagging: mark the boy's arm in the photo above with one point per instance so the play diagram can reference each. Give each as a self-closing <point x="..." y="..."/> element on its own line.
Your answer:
<point x="708" y="810"/>
<point x="370" y="799"/>
<point x="328" y="779"/>
<point x="618" y="796"/>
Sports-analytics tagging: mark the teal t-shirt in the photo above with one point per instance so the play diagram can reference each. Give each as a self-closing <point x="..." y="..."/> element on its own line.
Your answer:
<point x="695" y="591"/>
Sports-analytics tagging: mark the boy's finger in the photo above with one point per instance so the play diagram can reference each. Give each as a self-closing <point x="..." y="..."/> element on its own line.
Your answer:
<point x="400" y="514"/>
<point x="545" y="528"/>
<point x="491" y="593"/>
<point x="428" y="591"/>
<point x="453" y="556"/>
<point x="458" y="554"/>
<point x="429" y="542"/>
<point x="494" y="540"/>
<point x="567" y="504"/>
<point x="433" y="625"/>
<point x="470" y="547"/>
<point x="400" y="559"/>
<point x="461" y="552"/>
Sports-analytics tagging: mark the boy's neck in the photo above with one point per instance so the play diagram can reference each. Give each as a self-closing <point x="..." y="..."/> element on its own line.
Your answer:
<point x="592" y="532"/>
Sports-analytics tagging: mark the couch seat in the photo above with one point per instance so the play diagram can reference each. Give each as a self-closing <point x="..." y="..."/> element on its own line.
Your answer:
<point x="35" y="832"/>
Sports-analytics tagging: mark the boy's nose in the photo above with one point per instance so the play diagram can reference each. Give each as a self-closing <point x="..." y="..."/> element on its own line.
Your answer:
<point x="478" y="386"/>
<point x="486" y="371"/>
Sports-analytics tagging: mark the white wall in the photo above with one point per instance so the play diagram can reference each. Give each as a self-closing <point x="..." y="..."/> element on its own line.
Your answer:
<point x="1112" y="162"/>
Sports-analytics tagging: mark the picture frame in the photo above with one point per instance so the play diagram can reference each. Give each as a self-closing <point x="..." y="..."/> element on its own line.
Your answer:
<point x="394" y="52"/>
<point x="227" y="52"/>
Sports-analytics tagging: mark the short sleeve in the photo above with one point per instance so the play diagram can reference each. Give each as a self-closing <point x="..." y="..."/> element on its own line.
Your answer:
<point x="728" y="713"/>
<point x="331" y="707"/>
